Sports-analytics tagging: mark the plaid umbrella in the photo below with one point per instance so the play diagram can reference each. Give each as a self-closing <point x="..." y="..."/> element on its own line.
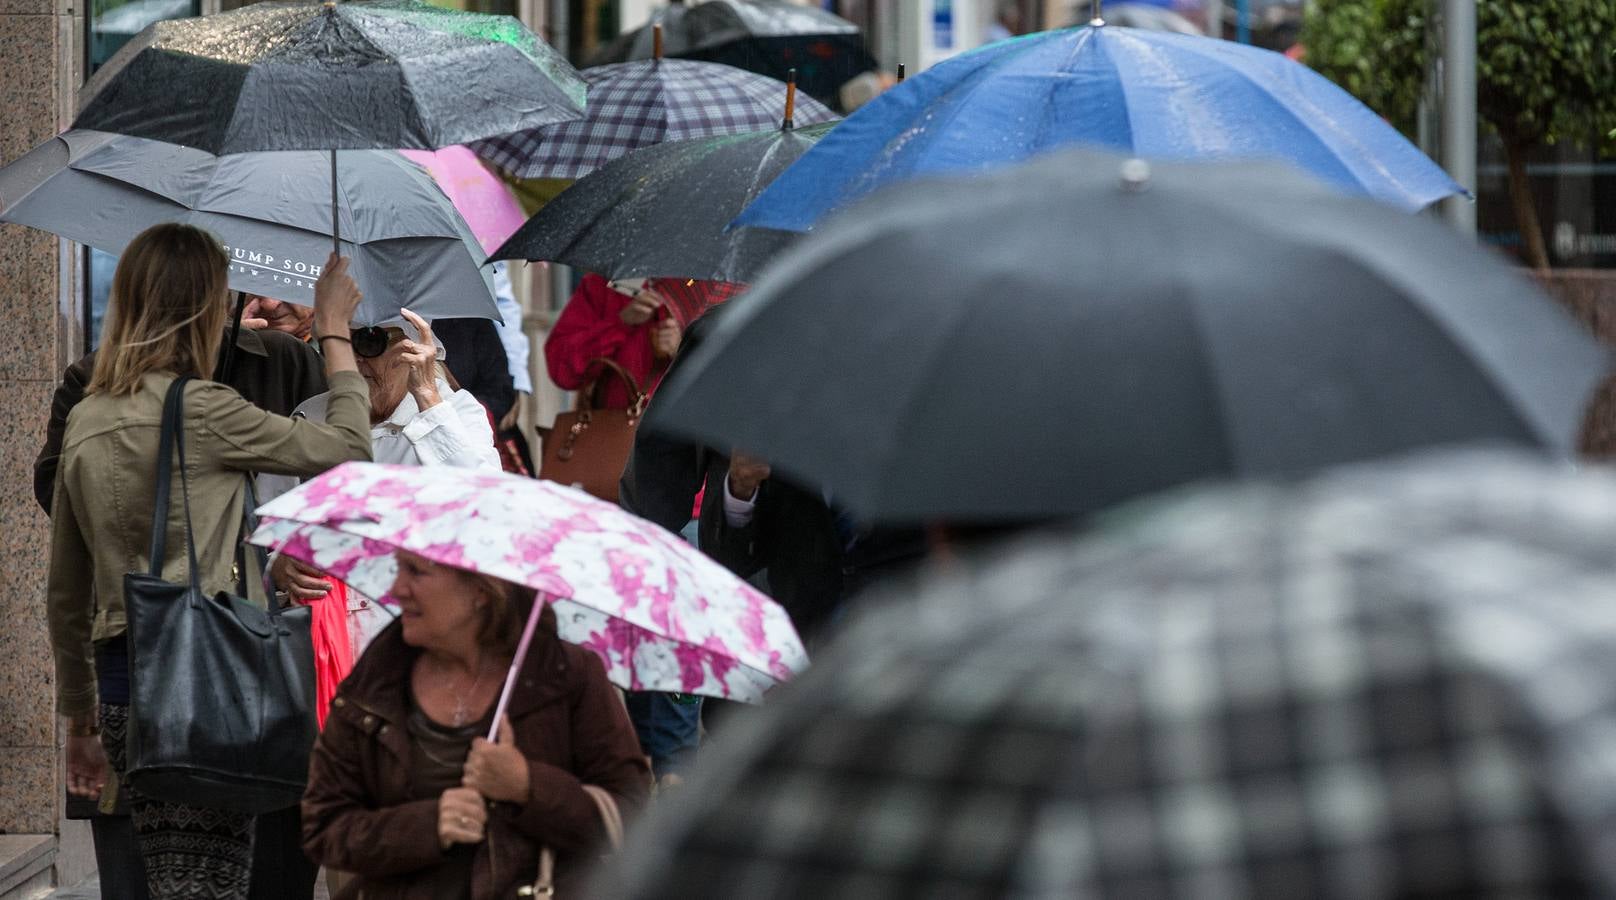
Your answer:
<point x="688" y="298"/>
<point x="636" y="104"/>
<point x="1384" y="682"/>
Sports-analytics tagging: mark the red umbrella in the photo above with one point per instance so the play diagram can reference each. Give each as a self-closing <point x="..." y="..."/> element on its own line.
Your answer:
<point x="688" y="298"/>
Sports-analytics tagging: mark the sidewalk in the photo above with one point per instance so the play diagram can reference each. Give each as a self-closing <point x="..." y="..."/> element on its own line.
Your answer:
<point x="91" y="890"/>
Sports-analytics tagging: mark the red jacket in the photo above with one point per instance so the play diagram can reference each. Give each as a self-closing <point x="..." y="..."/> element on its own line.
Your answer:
<point x="589" y="328"/>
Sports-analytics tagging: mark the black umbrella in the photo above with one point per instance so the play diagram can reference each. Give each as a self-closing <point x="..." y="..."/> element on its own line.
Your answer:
<point x="361" y="74"/>
<point x="1397" y="681"/>
<point x="770" y="37"/>
<point x="662" y="211"/>
<point x="1052" y="339"/>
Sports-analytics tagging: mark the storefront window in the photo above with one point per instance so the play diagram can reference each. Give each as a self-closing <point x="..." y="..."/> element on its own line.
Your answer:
<point x="1574" y="191"/>
<point x="110" y="25"/>
<point x="497" y="7"/>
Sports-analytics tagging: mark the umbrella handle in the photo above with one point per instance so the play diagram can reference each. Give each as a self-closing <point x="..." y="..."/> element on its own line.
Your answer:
<point x="516" y="665"/>
<point x="336" y="229"/>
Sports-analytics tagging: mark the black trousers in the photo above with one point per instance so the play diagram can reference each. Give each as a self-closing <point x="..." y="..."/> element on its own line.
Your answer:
<point x="117" y="859"/>
<point x="280" y="870"/>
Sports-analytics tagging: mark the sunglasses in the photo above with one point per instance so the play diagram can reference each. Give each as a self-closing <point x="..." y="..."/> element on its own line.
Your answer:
<point x="373" y="341"/>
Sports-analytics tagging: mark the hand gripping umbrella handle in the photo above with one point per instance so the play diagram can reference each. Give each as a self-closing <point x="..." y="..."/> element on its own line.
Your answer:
<point x="516" y="666"/>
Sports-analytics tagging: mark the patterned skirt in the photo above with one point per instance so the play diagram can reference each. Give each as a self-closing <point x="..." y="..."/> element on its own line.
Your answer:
<point x="191" y="853"/>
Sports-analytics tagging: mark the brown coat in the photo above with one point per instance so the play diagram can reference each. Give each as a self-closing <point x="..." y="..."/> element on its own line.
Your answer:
<point x="359" y="815"/>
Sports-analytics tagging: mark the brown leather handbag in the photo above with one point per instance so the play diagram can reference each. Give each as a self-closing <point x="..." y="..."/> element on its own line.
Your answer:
<point x="588" y="448"/>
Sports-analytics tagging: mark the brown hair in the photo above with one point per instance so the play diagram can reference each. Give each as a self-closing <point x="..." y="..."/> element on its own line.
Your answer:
<point x="506" y="612"/>
<point x="167" y="310"/>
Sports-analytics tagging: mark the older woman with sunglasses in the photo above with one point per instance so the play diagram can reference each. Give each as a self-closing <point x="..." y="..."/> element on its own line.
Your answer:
<point x="416" y="418"/>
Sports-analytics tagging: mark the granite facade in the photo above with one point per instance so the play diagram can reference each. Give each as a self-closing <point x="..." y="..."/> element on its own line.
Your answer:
<point x="40" y="49"/>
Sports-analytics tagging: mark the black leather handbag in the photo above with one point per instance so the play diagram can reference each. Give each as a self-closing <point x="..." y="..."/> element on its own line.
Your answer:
<point x="221" y="692"/>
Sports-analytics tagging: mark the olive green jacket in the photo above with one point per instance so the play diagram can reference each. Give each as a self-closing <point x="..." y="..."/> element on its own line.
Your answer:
<point x="103" y="500"/>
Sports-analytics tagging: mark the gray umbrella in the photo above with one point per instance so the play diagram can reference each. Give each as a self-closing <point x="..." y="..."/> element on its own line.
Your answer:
<point x="408" y="244"/>
<point x="1389" y="681"/>
<point x="1052" y="339"/>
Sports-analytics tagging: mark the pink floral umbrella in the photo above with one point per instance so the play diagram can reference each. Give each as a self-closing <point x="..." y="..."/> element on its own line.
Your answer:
<point x="662" y="616"/>
<point x="487" y="205"/>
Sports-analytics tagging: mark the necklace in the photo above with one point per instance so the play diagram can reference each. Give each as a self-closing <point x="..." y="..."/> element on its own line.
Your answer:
<point x="461" y="711"/>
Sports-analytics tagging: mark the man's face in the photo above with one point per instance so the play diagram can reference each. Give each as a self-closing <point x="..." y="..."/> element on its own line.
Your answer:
<point x="279" y="315"/>
<point x="387" y="375"/>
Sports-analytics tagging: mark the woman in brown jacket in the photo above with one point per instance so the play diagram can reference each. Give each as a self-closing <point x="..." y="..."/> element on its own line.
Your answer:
<point x="405" y="793"/>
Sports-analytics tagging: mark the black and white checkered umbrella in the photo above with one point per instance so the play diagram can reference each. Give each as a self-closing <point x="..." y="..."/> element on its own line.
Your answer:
<point x="637" y="104"/>
<point x="1387" y="681"/>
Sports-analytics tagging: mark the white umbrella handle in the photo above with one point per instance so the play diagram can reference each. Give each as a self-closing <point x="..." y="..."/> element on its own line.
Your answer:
<point x="516" y="665"/>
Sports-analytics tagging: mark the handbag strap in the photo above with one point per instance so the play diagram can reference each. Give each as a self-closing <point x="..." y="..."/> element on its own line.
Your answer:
<point x="172" y="439"/>
<point x="249" y="524"/>
<point x="610" y="817"/>
<point x="586" y="396"/>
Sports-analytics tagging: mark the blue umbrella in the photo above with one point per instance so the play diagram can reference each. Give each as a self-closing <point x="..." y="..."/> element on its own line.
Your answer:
<point x="1148" y="93"/>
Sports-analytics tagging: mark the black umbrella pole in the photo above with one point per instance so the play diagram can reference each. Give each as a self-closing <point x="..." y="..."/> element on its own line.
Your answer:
<point x="336" y="229"/>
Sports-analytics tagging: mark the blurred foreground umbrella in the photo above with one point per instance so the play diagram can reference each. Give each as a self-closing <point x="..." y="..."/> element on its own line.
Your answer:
<point x="770" y="37"/>
<point x="634" y="105"/>
<point x="665" y="210"/>
<point x="1147" y="93"/>
<point x="408" y="244"/>
<point x="361" y="74"/>
<point x="482" y="199"/>
<point x="661" y="616"/>
<point x="1390" y="681"/>
<point x="1052" y="339"/>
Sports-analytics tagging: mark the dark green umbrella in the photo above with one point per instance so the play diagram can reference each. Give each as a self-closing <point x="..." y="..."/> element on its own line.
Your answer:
<point x="662" y="211"/>
<point x="1054" y="338"/>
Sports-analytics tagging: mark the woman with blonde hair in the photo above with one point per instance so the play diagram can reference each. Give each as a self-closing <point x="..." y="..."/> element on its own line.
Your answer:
<point x="165" y="320"/>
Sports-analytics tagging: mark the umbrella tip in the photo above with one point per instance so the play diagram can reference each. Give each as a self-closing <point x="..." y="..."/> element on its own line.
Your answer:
<point x="656" y="42"/>
<point x="1135" y="175"/>
<point x="1097" y="21"/>
<point x="900" y="72"/>
<point x="789" y="122"/>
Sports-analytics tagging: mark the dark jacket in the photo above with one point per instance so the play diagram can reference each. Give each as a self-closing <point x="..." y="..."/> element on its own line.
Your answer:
<point x="273" y="371"/>
<point x="476" y="358"/>
<point x="359" y="815"/>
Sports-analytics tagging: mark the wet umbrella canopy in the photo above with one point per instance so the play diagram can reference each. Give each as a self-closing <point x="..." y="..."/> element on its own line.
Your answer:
<point x="662" y="211"/>
<point x="361" y="74"/>
<point x="637" y="104"/>
<point x="770" y="37"/>
<point x="1056" y="338"/>
<point x="1388" y="682"/>
<point x="1152" y="94"/>
<point x="408" y="245"/>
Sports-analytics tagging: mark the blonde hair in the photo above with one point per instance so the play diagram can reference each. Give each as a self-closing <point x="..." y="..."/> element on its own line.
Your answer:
<point x="167" y="311"/>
